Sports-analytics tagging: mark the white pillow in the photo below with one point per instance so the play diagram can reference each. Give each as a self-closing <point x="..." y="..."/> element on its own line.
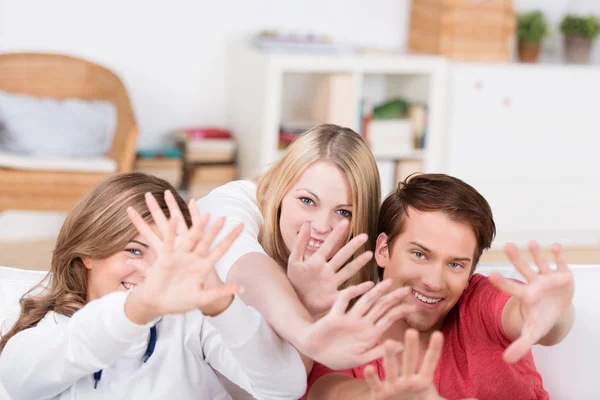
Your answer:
<point x="48" y="127"/>
<point x="14" y="283"/>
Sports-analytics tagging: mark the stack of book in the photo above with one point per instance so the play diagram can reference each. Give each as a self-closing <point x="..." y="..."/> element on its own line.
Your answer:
<point x="165" y="163"/>
<point x="209" y="155"/>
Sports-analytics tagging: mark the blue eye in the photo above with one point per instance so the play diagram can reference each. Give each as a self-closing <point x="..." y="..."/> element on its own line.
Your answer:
<point x="455" y="265"/>
<point x="418" y="254"/>
<point x="345" y="213"/>
<point x="307" y="201"/>
<point x="135" y="252"/>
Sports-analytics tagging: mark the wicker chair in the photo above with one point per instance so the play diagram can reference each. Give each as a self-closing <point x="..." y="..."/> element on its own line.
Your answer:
<point x="60" y="77"/>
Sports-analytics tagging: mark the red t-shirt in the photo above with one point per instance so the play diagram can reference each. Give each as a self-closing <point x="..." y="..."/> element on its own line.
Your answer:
<point x="471" y="363"/>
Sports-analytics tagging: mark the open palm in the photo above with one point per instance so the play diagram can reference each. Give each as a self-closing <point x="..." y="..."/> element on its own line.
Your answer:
<point x="543" y="299"/>
<point x="346" y="339"/>
<point x="317" y="279"/>
<point x="177" y="280"/>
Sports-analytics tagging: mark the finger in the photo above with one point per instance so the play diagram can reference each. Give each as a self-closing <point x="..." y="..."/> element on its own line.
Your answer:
<point x="345" y="253"/>
<point x="196" y="232"/>
<point x="143" y="228"/>
<point x="561" y="264"/>
<point x="335" y="237"/>
<point x="344" y="296"/>
<point x="377" y="352"/>
<point x="538" y="257"/>
<point x="140" y="266"/>
<point x="508" y="286"/>
<point x="390" y="361"/>
<point x="209" y="236"/>
<point x="301" y="244"/>
<point x="520" y="347"/>
<point x="410" y="355"/>
<point x="515" y="258"/>
<point x="386" y="302"/>
<point x="372" y="379"/>
<point x="352" y="268"/>
<point x="175" y="213"/>
<point x="364" y="304"/>
<point x="208" y="296"/>
<point x="432" y="355"/>
<point x="168" y="243"/>
<point x="394" y="314"/>
<point x="224" y="245"/>
<point x="158" y="216"/>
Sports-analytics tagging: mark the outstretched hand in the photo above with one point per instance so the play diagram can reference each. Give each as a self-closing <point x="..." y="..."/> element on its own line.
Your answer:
<point x="317" y="279"/>
<point x="345" y="339"/>
<point x="177" y="280"/>
<point x="543" y="299"/>
<point x="409" y="381"/>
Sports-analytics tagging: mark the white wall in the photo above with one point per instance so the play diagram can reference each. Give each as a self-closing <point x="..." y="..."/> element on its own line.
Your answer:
<point x="172" y="55"/>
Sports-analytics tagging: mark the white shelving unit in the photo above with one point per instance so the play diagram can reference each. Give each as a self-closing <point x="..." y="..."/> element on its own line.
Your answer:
<point x="268" y="88"/>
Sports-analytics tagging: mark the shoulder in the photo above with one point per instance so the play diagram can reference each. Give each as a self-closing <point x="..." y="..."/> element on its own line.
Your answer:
<point x="236" y="189"/>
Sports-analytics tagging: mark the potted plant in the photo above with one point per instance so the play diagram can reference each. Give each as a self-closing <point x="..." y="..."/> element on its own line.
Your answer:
<point x="532" y="28"/>
<point x="579" y="33"/>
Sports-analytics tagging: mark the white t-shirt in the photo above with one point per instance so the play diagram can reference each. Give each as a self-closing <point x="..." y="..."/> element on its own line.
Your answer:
<point x="237" y="201"/>
<point x="57" y="358"/>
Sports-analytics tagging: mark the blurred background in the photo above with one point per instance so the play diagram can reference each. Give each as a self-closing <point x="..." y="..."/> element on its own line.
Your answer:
<point x="499" y="93"/>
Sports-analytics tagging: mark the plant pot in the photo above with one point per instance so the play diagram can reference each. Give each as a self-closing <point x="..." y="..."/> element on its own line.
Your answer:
<point x="529" y="51"/>
<point x="577" y="49"/>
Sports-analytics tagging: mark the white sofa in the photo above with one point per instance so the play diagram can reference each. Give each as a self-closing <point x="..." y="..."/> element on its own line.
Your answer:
<point x="569" y="369"/>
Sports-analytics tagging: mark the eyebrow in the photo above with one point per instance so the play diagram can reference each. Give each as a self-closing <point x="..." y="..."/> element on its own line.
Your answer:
<point x="317" y="197"/>
<point x="140" y="243"/>
<point x="429" y="251"/>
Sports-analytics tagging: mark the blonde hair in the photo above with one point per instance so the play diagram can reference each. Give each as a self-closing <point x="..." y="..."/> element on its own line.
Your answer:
<point x="350" y="153"/>
<point x="96" y="227"/>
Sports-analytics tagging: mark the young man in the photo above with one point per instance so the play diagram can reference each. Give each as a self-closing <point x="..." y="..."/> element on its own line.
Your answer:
<point x="432" y="231"/>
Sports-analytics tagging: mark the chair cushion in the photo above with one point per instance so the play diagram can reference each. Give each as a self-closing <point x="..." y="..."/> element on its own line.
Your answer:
<point x="38" y="126"/>
<point x="14" y="283"/>
<point x="49" y="163"/>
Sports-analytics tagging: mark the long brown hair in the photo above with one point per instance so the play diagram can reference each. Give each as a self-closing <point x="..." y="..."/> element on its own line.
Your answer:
<point x="96" y="227"/>
<point x="350" y="153"/>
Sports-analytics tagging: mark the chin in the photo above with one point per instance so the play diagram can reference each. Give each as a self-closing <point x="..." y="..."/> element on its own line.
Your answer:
<point x="421" y="325"/>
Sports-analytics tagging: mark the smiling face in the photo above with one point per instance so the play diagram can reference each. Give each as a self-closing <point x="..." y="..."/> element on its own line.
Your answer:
<point x="433" y="255"/>
<point x="322" y="196"/>
<point x="114" y="273"/>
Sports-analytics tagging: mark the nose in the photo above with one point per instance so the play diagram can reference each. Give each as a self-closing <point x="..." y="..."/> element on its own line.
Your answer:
<point x="434" y="278"/>
<point x="321" y="223"/>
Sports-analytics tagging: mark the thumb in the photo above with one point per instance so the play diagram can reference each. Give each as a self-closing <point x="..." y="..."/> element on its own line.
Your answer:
<point x="140" y="266"/>
<point x="208" y="296"/>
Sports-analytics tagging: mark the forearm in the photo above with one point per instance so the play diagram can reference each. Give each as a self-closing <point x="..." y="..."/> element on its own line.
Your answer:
<point x="561" y="329"/>
<point x="43" y="361"/>
<point x="267" y="289"/>
<point x="253" y="357"/>
<point x="339" y="386"/>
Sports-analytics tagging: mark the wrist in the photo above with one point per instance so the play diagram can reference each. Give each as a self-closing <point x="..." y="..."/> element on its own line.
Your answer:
<point x="216" y="307"/>
<point x="138" y="310"/>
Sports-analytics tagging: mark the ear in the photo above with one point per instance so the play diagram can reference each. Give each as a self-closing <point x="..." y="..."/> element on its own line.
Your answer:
<point x="382" y="251"/>
<point x="87" y="262"/>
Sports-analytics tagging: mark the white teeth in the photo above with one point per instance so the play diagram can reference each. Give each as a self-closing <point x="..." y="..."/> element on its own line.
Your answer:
<point x="425" y="299"/>
<point x="314" y="244"/>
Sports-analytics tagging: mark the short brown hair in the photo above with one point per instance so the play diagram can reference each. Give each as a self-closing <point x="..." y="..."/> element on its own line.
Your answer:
<point x="443" y="193"/>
